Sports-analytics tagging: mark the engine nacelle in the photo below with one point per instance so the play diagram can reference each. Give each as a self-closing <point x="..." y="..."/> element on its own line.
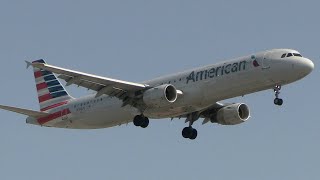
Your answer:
<point x="160" y="96"/>
<point x="233" y="114"/>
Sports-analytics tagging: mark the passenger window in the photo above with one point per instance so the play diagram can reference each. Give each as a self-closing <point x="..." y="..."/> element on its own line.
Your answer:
<point x="283" y="55"/>
<point x="289" y="55"/>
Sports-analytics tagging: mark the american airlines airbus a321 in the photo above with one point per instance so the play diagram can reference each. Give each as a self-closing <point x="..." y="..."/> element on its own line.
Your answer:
<point x="192" y="94"/>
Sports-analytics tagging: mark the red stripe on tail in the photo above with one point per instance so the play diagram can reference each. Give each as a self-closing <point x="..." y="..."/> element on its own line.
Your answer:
<point x="41" y="86"/>
<point x="44" y="98"/>
<point x="37" y="74"/>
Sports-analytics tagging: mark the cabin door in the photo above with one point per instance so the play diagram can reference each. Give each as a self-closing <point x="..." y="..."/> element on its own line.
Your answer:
<point x="266" y="61"/>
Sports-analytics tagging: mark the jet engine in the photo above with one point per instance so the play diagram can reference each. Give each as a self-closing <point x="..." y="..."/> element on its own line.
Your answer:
<point x="160" y="96"/>
<point x="232" y="114"/>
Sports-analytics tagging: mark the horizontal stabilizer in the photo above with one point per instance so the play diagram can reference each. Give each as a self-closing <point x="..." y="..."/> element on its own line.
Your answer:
<point x="31" y="113"/>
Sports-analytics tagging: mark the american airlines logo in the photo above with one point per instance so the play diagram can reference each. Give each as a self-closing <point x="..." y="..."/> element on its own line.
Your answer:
<point x="255" y="62"/>
<point x="216" y="71"/>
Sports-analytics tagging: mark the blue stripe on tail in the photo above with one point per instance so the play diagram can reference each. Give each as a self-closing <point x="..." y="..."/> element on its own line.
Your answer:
<point x="49" y="78"/>
<point x="39" y="61"/>
<point x="58" y="94"/>
<point x="53" y="83"/>
<point x="44" y="72"/>
<point x="55" y="89"/>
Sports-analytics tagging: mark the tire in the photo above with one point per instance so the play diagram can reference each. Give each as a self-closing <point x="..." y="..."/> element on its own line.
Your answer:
<point x="186" y="132"/>
<point x="278" y="101"/>
<point x="137" y="121"/>
<point x="194" y="134"/>
<point x="145" y="123"/>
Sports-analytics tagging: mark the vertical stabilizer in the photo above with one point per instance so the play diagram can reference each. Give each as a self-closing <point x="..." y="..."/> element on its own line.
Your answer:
<point x="51" y="93"/>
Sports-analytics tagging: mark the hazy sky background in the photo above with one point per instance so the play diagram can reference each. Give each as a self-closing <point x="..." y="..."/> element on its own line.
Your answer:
<point x="138" y="40"/>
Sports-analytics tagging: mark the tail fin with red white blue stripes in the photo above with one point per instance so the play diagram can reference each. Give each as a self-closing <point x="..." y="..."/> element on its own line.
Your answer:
<point x="51" y="93"/>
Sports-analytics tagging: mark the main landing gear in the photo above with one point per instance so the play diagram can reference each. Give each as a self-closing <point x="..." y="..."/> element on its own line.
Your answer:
<point x="190" y="132"/>
<point x="277" y="101"/>
<point x="141" y="120"/>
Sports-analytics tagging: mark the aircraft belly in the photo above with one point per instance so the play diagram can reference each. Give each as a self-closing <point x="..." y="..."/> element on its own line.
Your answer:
<point x="105" y="118"/>
<point x="99" y="117"/>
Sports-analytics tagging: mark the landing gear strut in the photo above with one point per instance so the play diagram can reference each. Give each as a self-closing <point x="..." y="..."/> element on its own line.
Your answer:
<point x="141" y="121"/>
<point x="277" y="101"/>
<point x="190" y="132"/>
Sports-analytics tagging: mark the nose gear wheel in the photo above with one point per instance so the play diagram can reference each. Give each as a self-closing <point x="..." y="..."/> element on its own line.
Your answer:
<point x="277" y="101"/>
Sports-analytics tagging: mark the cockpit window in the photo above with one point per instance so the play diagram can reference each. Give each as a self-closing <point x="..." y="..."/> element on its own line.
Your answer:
<point x="296" y="54"/>
<point x="290" y="54"/>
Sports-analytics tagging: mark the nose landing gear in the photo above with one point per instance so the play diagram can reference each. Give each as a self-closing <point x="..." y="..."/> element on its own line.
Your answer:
<point x="277" y="101"/>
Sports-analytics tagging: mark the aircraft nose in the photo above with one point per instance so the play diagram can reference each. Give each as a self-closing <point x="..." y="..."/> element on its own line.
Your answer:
<point x="304" y="66"/>
<point x="308" y="66"/>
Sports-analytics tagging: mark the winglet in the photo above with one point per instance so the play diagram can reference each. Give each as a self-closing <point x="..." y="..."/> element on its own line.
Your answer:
<point x="28" y="64"/>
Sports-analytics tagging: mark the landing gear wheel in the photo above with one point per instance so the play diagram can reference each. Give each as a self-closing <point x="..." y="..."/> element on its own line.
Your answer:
<point x="141" y="121"/>
<point x="190" y="133"/>
<point x="145" y="123"/>
<point x="186" y="132"/>
<point x="137" y="121"/>
<point x="194" y="134"/>
<point x="278" y="101"/>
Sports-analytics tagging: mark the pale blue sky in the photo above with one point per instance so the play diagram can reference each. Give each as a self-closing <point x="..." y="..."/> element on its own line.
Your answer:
<point x="138" y="40"/>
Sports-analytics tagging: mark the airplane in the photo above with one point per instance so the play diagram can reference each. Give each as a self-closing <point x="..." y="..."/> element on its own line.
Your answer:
<point x="193" y="94"/>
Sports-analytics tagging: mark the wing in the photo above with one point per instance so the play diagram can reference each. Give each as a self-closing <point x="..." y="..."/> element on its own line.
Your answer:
<point x="31" y="113"/>
<point x="103" y="85"/>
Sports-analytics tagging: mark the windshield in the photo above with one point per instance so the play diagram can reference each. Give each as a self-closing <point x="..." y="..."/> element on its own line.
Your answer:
<point x="290" y="55"/>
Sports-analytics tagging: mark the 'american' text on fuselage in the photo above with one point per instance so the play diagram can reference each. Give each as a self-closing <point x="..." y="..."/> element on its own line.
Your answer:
<point x="216" y="71"/>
